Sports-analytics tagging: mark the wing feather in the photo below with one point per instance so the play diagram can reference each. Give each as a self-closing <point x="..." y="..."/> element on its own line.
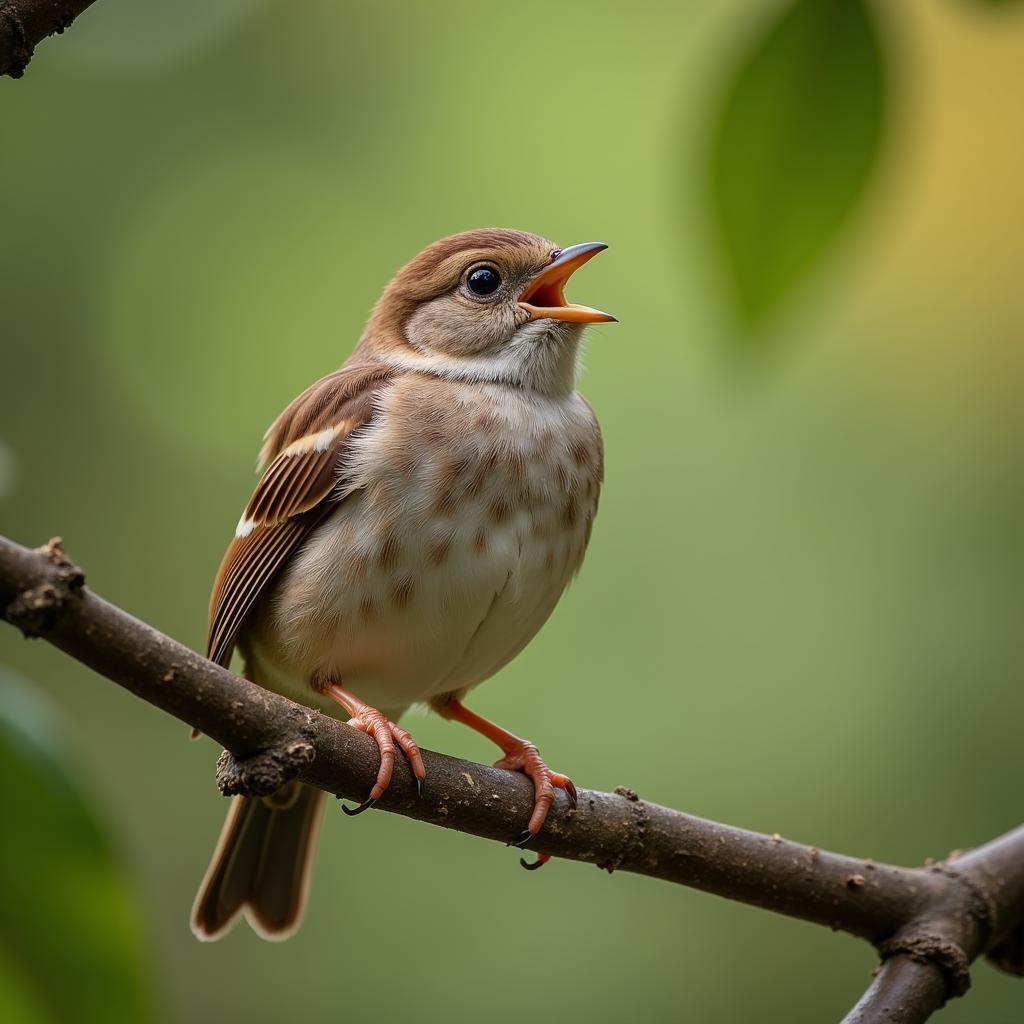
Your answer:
<point x="306" y="448"/>
<point x="250" y="562"/>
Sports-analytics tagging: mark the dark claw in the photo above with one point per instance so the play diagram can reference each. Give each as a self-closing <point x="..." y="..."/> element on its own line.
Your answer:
<point x="522" y="839"/>
<point x="570" y="792"/>
<point x="364" y="806"/>
<point x="419" y="786"/>
<point x="541" y="860"/>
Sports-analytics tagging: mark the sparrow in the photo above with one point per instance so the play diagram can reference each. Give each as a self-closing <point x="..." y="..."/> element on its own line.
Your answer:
<point x="420" y="513"/>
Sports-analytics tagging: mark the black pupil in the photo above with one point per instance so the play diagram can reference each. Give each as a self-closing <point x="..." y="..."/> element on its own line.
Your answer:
<point x="483" y="281"/>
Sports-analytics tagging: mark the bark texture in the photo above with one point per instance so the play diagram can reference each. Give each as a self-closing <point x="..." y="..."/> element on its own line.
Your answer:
<point x="24" y="23"/>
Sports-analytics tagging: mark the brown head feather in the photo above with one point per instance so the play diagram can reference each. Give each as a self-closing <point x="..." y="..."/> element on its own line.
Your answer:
<point x="438" y="269"/>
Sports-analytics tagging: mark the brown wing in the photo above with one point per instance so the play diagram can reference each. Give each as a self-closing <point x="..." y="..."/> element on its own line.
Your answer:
<point x="305" y="448"/>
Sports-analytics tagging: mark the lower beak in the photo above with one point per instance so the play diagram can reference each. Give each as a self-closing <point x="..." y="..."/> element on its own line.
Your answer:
<point x="544" y="295"/>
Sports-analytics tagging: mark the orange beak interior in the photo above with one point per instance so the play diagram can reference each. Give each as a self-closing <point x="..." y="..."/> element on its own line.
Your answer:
<point x="545" y="295"/>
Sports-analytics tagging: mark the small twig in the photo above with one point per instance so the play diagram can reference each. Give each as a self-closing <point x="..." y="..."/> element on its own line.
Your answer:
<point x="928" y="923"/>
<point x="24" y="23"/>
<point x="904" y="991"/>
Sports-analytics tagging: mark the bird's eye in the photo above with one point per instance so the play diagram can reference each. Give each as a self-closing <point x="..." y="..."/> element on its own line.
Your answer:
<point x="483" y="280"/>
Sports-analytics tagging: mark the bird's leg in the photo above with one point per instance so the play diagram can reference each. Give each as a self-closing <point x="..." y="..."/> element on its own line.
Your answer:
<point x="520" y="756"/>
<point x="386" y="734"/>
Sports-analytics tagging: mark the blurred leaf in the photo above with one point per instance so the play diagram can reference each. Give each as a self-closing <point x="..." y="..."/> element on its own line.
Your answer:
<point x="797" y="137"/>
<point x="71" y="944"/>
<point x="18" y="1003"/>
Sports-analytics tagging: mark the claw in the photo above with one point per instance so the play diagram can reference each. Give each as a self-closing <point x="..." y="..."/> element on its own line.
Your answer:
<point x="384" y="733"/>
<point x="519" y="756"/>
<point x="364" y="806"/>
<point x="542" y="859"/>
<point x="523" y="838"/>
<point x="571" y="793"/>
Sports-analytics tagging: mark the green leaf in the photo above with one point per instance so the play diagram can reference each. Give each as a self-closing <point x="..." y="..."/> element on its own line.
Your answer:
<point x="797" y="137"/>
<point x="71" y="942"/>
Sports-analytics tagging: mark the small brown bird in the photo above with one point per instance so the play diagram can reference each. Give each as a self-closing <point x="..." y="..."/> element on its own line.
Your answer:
<point x="421" y="512"/>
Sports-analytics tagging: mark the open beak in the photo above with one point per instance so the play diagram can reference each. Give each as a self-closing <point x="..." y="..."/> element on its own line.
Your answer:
<point x="544" y="296"/>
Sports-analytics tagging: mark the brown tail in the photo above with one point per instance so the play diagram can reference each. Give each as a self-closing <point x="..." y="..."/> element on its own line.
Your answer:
<point x="261" y="865"/>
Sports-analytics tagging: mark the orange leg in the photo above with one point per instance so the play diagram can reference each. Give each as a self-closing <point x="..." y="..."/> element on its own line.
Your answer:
<point x="386" y="734"/>
<point x="520" y="756"/>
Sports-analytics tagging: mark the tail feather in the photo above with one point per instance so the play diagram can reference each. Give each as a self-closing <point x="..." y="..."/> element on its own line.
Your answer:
<point x="261" y="865"/>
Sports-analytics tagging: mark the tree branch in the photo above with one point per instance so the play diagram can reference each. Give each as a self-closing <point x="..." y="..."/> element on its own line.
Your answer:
<point x="24" y="23"/>
<point x="905" y="991"/>
<point x="928" y="924"/>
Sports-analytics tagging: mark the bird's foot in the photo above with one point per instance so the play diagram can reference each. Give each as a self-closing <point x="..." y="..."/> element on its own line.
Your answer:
<point x="520" y="756"/>
<point x="387" y="736"/>
<point x="523" y="757"/>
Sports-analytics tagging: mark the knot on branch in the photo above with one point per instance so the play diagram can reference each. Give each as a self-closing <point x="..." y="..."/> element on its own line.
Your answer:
<point x="635" y="828"/>
<point x="934" y="949"/>
<point x="35" y="611"/>
<point x="266" y="772"/>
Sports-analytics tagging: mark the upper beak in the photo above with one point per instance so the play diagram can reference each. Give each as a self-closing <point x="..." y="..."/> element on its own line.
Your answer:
<point x="544" y="297"/>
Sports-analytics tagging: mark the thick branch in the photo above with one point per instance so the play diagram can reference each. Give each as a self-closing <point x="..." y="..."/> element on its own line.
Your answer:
<point x="23" y="23"/>
<point x="929" y="923"/>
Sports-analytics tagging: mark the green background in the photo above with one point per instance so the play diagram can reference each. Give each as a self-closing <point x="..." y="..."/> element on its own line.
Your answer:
<point x="801" y="608"/>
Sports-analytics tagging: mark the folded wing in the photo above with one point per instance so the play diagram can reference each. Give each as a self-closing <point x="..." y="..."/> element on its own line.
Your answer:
<point x="304" y="454"/>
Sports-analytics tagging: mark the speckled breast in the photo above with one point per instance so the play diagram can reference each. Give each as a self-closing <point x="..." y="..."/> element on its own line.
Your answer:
<point x="473" y="509"/>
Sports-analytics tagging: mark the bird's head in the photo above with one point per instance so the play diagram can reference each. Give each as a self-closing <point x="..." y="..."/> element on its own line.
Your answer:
<point x="487" y="305"/>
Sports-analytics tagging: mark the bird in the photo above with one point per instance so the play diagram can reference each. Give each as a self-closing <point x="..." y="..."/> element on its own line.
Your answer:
<point x="420" y="512"/>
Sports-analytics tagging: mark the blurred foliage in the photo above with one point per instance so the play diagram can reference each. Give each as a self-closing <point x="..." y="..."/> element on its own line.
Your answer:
<point x="801" y="607"/>
<point x="143" y="37"/>
<point x="71" y="944"/>
<point x="7" y="470"/>
<point x="798" y="135"/>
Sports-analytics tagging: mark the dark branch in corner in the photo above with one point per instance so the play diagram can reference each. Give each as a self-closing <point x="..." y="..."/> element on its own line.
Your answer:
<point x="24" y="23"/>
<point x="928" y="924"/>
